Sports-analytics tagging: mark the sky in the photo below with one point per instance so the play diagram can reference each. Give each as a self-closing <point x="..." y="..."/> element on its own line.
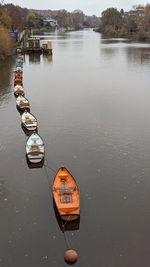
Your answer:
<point x="89" y="7"/>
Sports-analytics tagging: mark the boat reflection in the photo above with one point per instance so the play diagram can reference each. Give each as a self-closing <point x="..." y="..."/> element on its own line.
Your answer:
<point x="66" y="225"/>
<point x="21" y="111"/>
<point x="34" y="165"/>
<point x="6" y="70"/>
<point x="27" y="132"/>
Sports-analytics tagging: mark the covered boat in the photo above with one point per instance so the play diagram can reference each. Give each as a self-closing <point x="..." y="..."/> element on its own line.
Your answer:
<point x="18" y="90"/>
<point x="22" y="103"/>
<point x="66" y="195"/>
<point x="35" y="148"/>
<point x="19" y="64"/>
<point x="29" y="121"/>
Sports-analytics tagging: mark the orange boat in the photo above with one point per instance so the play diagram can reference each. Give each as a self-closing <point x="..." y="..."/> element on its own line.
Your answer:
<point x="18" y="75"/>
<point x="66" y="195"/>
<point x="18" y="81"/>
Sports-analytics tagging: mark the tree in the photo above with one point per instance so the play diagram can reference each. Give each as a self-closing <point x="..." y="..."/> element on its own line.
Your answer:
<point x="5" y="20"/>
<point x="111" y="17"/>
<point x="31" y="20"/>
<point x="122" y="11"/>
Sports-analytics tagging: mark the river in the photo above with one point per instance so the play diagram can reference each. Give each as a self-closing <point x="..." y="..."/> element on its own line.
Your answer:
<point x="92" y="102"/>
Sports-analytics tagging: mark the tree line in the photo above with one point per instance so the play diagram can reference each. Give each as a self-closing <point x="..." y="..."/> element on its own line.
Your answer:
<point x="11" y="18"/>
<point x="134" y="24"/>
<point x="16" y="18"/>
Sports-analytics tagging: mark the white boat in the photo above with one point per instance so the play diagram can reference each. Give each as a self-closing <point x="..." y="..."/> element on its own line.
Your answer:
<point x="22" y="103"/>
<point x="18" y="69"/>
<point x="35" y="148"/>
<point x="18" y="90"/>
<point x="29" y="121"/>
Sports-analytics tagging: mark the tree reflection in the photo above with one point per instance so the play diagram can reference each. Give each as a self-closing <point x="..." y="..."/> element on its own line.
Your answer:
<point x="138" y="55"/>
<point x="108" y="52"/>
<point x="6" y="73"/>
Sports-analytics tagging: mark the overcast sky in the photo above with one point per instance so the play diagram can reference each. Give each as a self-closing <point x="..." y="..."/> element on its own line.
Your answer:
<point x="89" y="7"/>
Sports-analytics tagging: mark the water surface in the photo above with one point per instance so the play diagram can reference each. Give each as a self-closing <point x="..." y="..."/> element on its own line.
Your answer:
<point x="92" y="102"/>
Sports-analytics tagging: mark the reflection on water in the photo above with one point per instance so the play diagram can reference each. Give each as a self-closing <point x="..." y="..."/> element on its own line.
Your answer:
<point x="3" y="189"/>
<point x="108" y="52"/>
<point x="26" y="131"/>
<point x="66" y="225"/>
<point x="37" y="58"/>
<point x="47" y="58"/>
<point x="113" y="41"/>
<point x="94" y="117"/>
<point x="138" y="55"/>
<point x="6" y="73"/>
<point x="34" y="57"/>
<point x="34" y="165"/>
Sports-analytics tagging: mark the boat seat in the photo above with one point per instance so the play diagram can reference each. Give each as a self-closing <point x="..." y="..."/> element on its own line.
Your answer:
<point x="66" y="198"/>
<point x="35" y="152"/>
<point x="65" y="190"/>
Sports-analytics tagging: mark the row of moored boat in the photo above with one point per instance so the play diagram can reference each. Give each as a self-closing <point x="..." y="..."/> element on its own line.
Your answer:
<point x="34" y="145"/>
<point x="64" y="188"/>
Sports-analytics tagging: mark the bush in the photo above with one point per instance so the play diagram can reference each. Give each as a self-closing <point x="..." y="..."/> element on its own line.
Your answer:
<point x="6" y="43"/>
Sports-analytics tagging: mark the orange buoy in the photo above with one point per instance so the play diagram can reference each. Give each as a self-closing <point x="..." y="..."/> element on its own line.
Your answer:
<point x="70" y="256"/>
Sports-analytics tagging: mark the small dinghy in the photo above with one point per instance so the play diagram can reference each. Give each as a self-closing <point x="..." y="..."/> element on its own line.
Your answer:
<point x="35" y="148"/>
<point x="29" y="121"/>
<point x="22" y="103"/>
<point x="18" y="80"/>
<point x="66" y="195"/>
<point x="20" y="57"/>
<point x="18" y="90"/>
<point x="18" y="75"/>
<point x="18" y="70"/>
<point x="19" y="61"/>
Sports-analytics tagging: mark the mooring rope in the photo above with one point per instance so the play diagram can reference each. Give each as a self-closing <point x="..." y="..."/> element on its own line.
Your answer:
<point x="67" y="242"/>
<point x="48" y="166"/>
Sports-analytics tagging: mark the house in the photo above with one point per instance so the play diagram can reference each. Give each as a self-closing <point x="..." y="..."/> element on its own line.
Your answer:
<point x="50" y="22"/>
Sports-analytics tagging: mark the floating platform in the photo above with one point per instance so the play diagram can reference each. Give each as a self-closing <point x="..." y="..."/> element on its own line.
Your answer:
<point x="33" y="45"/>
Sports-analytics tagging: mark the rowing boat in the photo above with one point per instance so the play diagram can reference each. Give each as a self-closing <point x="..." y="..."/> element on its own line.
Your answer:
<point x="18" y="80"/>
<point x="66" y="195"/>
<point x="22" y="103"/>
<point x="18" y="70"/>
<point x="29" y="121"/>
<point x="35" y="148"/>
<point x="18" y="90"/>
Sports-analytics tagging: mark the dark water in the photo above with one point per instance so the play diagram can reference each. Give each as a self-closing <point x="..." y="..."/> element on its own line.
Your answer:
<point x="92" y="102"/>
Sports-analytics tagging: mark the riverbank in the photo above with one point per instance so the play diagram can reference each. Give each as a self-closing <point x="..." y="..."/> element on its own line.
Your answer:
<point x="7" y="44"/>
<point x="137" y="36"/>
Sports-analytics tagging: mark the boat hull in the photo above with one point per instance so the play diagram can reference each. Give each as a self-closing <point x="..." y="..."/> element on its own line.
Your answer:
<point x="66" y="195"/>
<point x="70" y="218"/>
<point x="29" y="128"/>
<point x="34" y="160"/>
<point x="22" y="103"/>
<point x="35" y="149"/>
<point x="23" y="107"/>
<point x="29" y="121"/>
<point x="19" y="93"/>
